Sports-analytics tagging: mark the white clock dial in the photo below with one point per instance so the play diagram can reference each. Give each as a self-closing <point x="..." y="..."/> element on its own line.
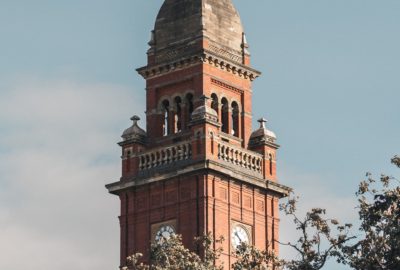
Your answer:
<point x="239" y="236"/>
<point x="164" y="233"/>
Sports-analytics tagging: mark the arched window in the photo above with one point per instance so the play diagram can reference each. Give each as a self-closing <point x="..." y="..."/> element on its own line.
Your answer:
<point x="165" y="110"/>
<point x="178" y="115"/>
<point x="214" y="103"/>
<point x="235" y="119"/>
<point x="225" y="115"/>
<point x="189" y="106"/>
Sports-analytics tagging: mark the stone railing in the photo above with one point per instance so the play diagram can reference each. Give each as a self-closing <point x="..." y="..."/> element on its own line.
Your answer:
<point x="164" y="156"/>
<point x="240" y="157"/>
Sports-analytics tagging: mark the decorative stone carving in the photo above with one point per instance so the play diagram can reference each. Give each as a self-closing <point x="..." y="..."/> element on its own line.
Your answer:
<point x="263" y="135"/>
<point x="134" y="133"/>
<point x="165" y="155"/>
<point x="204" y="113"/>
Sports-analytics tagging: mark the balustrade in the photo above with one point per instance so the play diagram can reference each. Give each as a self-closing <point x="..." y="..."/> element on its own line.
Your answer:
<point x="163" y="156"/>
<point x="240" y="157"/>
<point x="179" y="152"/>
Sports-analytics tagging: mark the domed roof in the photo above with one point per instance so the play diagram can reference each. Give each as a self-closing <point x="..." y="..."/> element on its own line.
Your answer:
<point x="183" y="21"/>
<point x="204" y="112"/>
<point x="134" y="132"/>
<point x="263" y="134"/>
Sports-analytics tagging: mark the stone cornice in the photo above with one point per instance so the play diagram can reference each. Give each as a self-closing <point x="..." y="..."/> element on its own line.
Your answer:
<point x="205" y="56"/>
<point x="136" y="140"/>
<point x="193" y="167"/>
<point x="148" y="72"/>
<point x="229" y="65"/>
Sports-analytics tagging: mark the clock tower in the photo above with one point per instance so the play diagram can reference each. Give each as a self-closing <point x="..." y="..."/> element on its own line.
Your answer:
<point x="199" y="167"/>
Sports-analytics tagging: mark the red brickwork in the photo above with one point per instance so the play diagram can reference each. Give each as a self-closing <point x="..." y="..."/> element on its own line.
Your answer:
<point x="199" y="203"/>
<point x="198" y="169"/>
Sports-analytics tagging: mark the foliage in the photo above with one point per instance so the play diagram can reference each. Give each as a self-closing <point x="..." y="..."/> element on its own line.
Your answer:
<point x="170" y="254"/>
<point x="316" y="232"/>
<point x="249" y="257"/>
<point x="379" y="213"/>
<point x="321" y="238"/>
<point x="211" y="255"/>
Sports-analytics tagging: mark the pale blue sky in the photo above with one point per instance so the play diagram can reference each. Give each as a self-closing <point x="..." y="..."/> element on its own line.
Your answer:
<point x="330" y="89"/>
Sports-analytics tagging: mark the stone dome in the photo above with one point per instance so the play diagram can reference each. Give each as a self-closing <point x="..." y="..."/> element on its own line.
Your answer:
<point x="182" y="21"/>
<point x="263" y="134"/>
<point x="204" y="112"/>
<point x="134" y="132"/>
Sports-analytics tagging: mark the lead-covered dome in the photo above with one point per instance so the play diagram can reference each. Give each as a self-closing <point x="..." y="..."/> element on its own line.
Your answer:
<point x="204" y="112"/>
<point x="262" y="135"/>
<point x="134" y="133"/>
<point x="182" y="22"/>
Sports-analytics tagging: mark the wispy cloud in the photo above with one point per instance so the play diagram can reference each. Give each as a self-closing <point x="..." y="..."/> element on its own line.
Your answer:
<point x="57" y="151"/>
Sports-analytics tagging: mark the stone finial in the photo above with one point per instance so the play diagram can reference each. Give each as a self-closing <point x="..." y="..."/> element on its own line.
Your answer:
<point x="204" y="99"/>
<point x="244" y="41"/>
<point x="262" y="135"/>
<point x="135" y="118"/>
<point x="204" y="112"/>
<point x="245" y="45"/>
<point x="262" y="122"/>
<point x="152" y="41"/>
<point x="134" y="132"/>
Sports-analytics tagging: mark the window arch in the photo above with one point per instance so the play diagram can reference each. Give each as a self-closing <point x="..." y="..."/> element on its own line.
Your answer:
<point x="235" y="119"/>
<point x="215" y="103"/>
<point x="165" y="111"/>
<point x="178" y="115"/>
<point x="225" y="115"/>
<point x="189" y="106"/>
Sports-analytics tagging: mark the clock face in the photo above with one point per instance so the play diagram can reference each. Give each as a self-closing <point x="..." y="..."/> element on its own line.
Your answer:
<point x="164" y="233"/>
<point x="239" y="236"/>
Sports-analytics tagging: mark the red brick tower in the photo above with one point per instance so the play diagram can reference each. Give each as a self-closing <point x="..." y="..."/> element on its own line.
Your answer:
<point x="199" y="167"/>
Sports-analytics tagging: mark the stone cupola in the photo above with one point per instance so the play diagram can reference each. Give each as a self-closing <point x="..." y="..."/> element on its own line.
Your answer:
<point x="134" y="133"/>
<point x="184" y="27"/>
<point x="263" y="135"/>
<point x="205" y="113"/>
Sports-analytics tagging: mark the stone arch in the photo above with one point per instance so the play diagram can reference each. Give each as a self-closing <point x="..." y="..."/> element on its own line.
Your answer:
<point x="189" y="99"/>
<point x="225" y="115"/>
<point x="166" y="109"/>
<point x="161" y="102"/>
<point x="215" y="103"/>
<point x="190" y="91"/>
<point x="178" y="114"/>
<point x="177" y="95"/>
<point x="235" y="115"/>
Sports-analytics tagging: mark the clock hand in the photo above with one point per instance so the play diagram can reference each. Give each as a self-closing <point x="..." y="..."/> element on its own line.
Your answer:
<point x="240" y="239"/>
